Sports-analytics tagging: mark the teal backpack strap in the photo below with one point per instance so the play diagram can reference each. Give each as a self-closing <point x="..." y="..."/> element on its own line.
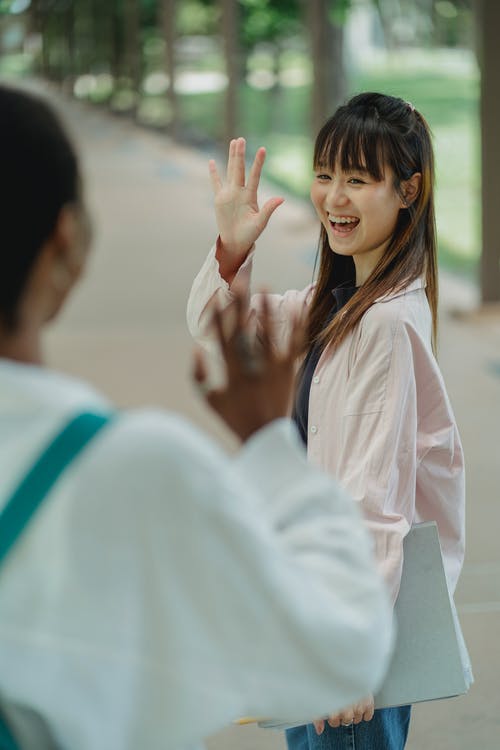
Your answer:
<point x="30" y="493"/>
<point x="19" y="725"/>
<point x="7" y="741"/>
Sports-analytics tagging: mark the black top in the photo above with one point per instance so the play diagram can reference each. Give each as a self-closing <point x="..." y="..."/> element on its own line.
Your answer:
<point x="300" y="414"/>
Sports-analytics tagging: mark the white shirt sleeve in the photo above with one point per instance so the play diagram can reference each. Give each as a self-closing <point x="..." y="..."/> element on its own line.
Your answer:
<point x="260" y="577"/>
<point x="187" y="589"/>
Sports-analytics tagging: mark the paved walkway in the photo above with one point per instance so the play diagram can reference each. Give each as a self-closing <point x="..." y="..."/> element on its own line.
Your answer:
<point x="125" y="331"/>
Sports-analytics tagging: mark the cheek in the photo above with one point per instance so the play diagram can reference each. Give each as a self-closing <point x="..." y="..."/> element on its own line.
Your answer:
<point x="315" y="194"/>
<point x="317" y="199"/>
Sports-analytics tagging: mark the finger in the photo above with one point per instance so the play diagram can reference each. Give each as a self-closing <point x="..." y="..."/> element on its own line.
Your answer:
<point x="256" y="169"/>
<point x="334" y="721"/>
<point x="214" y="176"/>
<point x="266" y="326"/>
<point x="200" y="373"/>
<point x="199" y="366"/>
<point x="239" y="162"/>
<point x="347" y="718"/>
<point x="230" y="160"/>
<point x="219" y="333"/>
<point x="297" y="339"/>
<point x="358" y="714"/>
<point x="268" y="209"/>
<point x="239" y="292"/>
<point x="215" y="399"/>
<point x="319" y="726"/>
<point x="369" y="713"/>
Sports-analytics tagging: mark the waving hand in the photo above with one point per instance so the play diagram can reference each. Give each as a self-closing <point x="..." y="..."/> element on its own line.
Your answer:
<point x="240" y="221"/>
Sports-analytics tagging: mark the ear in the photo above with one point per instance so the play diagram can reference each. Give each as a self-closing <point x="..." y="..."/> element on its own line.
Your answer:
<point x="69" y="241"/>
<point x="410" y="189"/>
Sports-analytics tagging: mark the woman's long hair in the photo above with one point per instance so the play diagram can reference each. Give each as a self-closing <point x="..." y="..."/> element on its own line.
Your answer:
<point x="370" y="132"/>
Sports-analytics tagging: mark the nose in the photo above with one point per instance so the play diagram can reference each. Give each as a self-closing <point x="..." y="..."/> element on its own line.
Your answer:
<point x="335" y="196"/>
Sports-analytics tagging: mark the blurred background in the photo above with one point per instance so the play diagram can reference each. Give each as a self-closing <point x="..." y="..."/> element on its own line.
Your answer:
<point x="204" y="70"/>
<point x="151" y="88"/>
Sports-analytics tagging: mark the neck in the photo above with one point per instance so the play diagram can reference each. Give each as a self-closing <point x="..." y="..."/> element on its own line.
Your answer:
<point x="365" y="263"/>
<point x="21" y="346"/>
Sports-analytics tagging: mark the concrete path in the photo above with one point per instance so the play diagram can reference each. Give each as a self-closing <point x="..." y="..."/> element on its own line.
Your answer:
<point x="125" y="331"/>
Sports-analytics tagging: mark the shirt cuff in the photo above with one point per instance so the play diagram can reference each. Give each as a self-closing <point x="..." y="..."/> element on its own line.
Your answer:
<point x="274" y="457"/>
<point x="242" y="274"/>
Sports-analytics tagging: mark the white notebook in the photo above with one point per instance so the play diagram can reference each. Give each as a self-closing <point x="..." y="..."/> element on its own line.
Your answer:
<point x="429" y="660"/>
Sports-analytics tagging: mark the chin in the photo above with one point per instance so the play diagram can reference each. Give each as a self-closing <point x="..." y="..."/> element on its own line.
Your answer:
<point x="341" y="251"/>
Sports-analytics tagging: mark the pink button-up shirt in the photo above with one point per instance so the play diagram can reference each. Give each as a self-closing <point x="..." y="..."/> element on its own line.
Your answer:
<point x="379" y="416"/>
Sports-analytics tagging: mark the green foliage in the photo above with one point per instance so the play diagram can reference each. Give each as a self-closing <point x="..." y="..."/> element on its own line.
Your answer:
<point x="268" y="20"/>
<point x="339" y="11"/>
<point x="196" y="17"/>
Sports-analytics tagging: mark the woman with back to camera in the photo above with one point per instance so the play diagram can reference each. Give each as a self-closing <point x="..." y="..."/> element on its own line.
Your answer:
<point x="370" y="404"/>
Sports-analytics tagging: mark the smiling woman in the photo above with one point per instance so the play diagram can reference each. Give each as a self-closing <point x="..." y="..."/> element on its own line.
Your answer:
<point x="370" y="403"/>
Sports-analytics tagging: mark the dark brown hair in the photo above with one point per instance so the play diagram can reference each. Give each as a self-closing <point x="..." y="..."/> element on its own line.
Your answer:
<point x="368" y="133"/>
<point x="39" y="175"/>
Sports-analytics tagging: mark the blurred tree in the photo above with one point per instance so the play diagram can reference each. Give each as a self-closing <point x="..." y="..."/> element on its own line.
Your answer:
<point x="489" y="59"/>
<point x="325" y="22"/>
<point x="230" y="25"/>
<point x="198" y="17"/>
<point x="167" y="19"/>
<point x="133" y="45"/>
<point x="270" y="22"/>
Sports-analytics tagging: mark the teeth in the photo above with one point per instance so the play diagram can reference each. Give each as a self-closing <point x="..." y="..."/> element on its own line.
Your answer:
<point x="342" y="219"/>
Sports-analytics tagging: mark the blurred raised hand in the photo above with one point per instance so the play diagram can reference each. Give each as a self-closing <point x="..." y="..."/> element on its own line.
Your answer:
<point x="259" y="378"/>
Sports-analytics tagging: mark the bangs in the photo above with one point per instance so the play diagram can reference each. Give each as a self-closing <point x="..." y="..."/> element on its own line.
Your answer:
<point x="356" y="142"/>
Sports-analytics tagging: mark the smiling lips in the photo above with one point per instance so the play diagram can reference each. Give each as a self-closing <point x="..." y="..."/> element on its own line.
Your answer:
<point x="343" y="225"/>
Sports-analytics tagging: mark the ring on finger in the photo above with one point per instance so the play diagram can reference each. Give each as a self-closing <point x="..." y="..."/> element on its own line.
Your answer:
<point x="251" y="363"/>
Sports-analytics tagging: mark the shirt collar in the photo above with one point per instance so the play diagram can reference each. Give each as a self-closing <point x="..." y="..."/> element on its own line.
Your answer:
<point x="419" y="283"/>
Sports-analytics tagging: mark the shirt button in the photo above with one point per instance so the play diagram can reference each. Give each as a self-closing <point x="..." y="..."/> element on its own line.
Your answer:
<point x="314" y="429"/>
<point x="316" y="379"/>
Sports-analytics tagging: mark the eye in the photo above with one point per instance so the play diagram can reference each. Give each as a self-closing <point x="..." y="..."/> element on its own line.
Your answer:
<point x="322" y="177"/>
<point x="356" y="181"/>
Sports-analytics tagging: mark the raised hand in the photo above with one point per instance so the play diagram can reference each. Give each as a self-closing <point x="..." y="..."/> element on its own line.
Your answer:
<point x="240" y="221"/>
<point x="260" y="379"/>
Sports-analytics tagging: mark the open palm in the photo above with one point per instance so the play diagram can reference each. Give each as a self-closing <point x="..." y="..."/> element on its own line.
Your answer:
<point x="239" y="219"/>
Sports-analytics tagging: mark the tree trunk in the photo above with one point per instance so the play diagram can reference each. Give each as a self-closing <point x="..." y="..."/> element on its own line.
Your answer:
<point x="69" y="28"/>
<point x="329" y="86"/>
<point x="133" y="50"/>
<point x="385" y="18"/>
<point x="231" y="49"/>
<point x="489" y="57"/>
<point x="168" y="24"/>
<point x="116" y="43"/>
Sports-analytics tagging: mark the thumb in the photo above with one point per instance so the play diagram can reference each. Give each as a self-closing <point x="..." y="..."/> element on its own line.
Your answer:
<point x="268" y="209"/>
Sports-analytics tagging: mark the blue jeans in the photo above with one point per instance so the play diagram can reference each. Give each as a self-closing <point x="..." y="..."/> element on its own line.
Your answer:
<point x="387" y="730"/>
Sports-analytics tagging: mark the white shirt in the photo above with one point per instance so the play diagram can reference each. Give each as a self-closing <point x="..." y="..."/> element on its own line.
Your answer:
<point x="164" y="589"/>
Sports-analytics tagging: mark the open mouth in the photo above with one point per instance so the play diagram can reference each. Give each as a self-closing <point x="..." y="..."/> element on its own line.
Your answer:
<point x="344" y="225"/>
